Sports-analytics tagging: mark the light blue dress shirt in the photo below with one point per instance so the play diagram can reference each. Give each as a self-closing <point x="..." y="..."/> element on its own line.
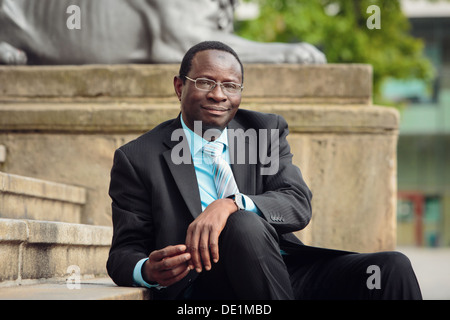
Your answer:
<point x="205" y="179"/>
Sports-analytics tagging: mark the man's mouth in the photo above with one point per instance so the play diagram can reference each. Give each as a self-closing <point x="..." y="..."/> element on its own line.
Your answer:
<point x="216" y="109"/>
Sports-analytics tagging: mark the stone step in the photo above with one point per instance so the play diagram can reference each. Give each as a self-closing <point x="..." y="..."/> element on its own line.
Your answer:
<point x="31" y="250"/>
<point x="29" y="198"/>
<point x="328" y="83"/>
<point x="90" y="118"/>
<point x="87" y="289"/>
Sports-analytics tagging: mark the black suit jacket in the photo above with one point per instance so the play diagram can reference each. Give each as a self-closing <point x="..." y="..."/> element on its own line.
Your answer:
<point x="154" y="200"/>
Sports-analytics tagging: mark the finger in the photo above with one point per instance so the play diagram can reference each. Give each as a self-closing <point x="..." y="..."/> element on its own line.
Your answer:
<point x="188" y="249"/>
<point x="204" y="250"/>
<point x="169" y="274"/>
<point x="214" y="246"/>
<point x="192" y="247"/>
<point x="174" y="276"/>
<point x="168" y="251"/>
<point x="173" y="262"/>
<point x="168" y="268"/>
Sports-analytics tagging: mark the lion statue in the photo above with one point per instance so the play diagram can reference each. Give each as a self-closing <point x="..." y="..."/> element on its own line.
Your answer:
<point x="56" y="32"/>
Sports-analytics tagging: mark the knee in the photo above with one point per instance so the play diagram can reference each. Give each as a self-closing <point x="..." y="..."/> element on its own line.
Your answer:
<point x="242" y="224"/>
<point x="248" y="229"/>
<point x="398" y="277"/>
<point x="393" y="262"/>
<point x="395" y="258"/>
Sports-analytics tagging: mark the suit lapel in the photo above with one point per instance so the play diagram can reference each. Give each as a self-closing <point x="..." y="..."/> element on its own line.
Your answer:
<point x="183" y="173"/>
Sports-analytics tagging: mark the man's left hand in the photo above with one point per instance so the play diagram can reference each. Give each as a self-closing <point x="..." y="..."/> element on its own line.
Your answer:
<point x="202" y="239"/>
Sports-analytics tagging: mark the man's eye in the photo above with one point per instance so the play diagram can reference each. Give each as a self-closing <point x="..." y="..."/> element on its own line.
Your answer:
<point x="204" y="83"/>
<point x="230" y="85"/>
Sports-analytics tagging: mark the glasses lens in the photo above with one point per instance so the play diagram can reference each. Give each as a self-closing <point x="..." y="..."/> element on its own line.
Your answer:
<point x="204" y="84"/>
<point x="208" y="85"/>
<point x="231" y="87"/>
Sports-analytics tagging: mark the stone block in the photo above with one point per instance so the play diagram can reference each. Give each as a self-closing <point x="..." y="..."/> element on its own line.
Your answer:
<point x="43" y="249"/>
<point x="12" y="234"/>
<point x="89" y="289"/>
<point x="331" y="83"/>
<point x="29" y="198"/>
<point x="353" y="205"/>
<point x="89" y="81"/>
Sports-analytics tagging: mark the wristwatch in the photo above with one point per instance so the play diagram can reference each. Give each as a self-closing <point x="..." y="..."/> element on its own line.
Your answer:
<point x="239" y="200"/>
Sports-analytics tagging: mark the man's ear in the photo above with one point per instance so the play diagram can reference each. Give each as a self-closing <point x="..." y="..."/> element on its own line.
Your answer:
<point x="178" y="86"/>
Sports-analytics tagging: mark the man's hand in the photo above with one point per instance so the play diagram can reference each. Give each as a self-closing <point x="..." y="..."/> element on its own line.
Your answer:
<point x="167" y="266"/>
<point x="202" y="239"/>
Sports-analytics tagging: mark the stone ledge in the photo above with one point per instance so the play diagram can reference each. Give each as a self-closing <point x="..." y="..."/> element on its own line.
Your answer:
<point x="329" y="83"/>
<point x="44" y="249"/>
<point x="10" y="183"/>
<point x="90" y="289"/>
<point x="335" y="119"/>
<point x="34" y="232"/>
<point x="138" y="117"/>
<point x="29" y="198"/>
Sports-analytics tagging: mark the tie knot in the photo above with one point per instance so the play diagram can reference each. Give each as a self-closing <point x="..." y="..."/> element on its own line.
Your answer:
<point x="213" y="149"/>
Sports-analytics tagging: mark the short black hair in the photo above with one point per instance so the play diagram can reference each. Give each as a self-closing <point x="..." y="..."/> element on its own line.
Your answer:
<point x="186" y="63"/>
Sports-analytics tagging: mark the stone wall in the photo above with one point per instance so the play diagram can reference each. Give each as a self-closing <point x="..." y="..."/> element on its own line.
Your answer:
<point x="34" y="249"/>
<point x="63" y="123"/>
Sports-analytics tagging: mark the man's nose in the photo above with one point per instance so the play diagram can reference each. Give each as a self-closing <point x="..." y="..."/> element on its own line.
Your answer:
<point x="217" y="93"/>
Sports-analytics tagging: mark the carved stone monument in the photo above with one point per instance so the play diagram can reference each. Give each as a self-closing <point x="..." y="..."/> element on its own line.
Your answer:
<point x="49" y="32"/>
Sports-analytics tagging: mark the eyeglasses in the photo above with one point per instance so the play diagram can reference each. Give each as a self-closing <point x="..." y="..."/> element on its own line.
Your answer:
<point x="209" y="85"/>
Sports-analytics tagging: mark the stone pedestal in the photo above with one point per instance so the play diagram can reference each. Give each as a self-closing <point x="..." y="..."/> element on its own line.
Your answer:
<point x="63" y="123"/>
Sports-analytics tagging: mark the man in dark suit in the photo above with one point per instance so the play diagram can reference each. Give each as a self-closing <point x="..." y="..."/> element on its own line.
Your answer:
<point x="188" y="227"/>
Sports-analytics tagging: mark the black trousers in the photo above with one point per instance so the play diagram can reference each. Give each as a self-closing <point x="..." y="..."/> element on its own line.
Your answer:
<point x="251" y="267"/>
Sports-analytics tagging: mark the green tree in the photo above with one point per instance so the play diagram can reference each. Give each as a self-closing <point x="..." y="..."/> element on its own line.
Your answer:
<point x="339" y="29"/>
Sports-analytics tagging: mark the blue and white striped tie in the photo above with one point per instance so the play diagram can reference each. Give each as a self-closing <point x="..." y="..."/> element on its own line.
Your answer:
<point x="223" y="176"/>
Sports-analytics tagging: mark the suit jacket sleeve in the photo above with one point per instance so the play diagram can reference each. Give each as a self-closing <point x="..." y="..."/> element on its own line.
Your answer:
<point x="131" y="221"/>
<point x="286" y="199"/>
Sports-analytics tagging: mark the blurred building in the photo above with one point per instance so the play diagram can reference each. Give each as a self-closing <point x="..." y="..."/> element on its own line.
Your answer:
<point x="424" y="142"/>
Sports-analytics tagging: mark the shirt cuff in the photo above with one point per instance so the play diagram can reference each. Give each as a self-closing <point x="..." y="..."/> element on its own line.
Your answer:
<point x="250" y="205"/>
<point x="139" y="280"/>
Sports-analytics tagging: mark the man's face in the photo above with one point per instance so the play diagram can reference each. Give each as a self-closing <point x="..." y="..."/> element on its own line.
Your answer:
<point x="214" y="108"/>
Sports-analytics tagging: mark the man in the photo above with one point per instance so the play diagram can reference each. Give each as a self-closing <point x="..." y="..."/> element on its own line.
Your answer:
<point x="191" y="228"/>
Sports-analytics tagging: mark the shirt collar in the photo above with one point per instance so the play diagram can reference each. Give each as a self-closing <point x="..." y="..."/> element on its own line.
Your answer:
<point x="197" y="142"/>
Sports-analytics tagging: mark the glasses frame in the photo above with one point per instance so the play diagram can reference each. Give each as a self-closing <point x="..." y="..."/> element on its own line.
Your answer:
<point x="221" y="84"/>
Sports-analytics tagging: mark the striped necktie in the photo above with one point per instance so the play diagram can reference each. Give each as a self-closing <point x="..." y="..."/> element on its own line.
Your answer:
<point x="223" y="176"/>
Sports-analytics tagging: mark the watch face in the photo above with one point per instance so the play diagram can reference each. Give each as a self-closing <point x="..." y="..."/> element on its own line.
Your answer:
<point x="239" y="201"/>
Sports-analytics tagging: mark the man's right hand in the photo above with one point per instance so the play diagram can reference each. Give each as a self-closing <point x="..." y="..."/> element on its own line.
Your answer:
<point x="167" y="266"/>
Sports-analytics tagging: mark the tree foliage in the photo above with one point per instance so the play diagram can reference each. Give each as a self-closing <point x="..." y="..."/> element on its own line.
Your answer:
<point x="339" y="29"/>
